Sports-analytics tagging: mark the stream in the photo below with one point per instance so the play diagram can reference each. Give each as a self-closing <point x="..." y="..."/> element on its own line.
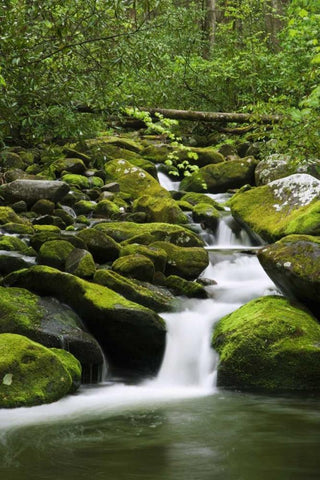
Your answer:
<point x="179" y="425"/>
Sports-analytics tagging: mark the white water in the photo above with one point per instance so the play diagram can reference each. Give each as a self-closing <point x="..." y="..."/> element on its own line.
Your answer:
<point x="189" y="365"/>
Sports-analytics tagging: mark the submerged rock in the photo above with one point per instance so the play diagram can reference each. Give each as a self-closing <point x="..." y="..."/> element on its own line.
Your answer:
<point x="287" y="206"/>
<point x="132" y="336"/>
<point x="269" y="345"/>
<point x="31" y="374"/>
<point x="293" y="264"/>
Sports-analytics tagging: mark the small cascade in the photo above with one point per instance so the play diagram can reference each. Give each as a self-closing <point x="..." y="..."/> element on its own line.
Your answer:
<point x="229" y="233"/>
<point x="166" y="182"/>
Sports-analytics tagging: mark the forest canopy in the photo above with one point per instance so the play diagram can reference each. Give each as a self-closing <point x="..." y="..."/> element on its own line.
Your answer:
<point x="260" y="56"/>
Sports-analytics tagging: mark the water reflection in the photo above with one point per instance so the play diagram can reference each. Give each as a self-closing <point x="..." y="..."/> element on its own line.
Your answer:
<point x="229" y="436"/>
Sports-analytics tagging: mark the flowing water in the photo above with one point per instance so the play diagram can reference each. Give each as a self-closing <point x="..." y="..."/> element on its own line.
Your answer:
<point x="178" y="426"/>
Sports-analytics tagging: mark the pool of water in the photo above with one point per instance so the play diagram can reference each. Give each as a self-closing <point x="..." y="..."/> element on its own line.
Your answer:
<point x="225" y="435"/>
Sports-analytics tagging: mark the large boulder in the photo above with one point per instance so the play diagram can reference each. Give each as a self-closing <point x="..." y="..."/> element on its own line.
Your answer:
<point x="159" y="209"/>
<point x="132" y="336"/>
<point x="286" y="206"/>
<point x="293" y="264"/>
<point x="277" y="166"/>
<point x="131" y="232"/>
<point x="133" y="180"/>
<point x="32" y="374"/>
<point x="33" y="190"/>
<point x="185" y="262"/>
<point x="268" y="344"/>
<point x="221" y="177"/>
<point x="156" y="298"/>
<point x="47" y="321"/>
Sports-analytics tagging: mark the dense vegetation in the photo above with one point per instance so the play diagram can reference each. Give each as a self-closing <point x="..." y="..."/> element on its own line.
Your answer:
<point x="260" y="56"/>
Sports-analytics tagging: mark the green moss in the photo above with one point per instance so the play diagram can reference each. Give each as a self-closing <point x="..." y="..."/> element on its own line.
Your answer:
<point x="184" y="262"/>
<point x="195" y="198"/>
<point x="19" y="310"/>
<point x="156" y="255"/>
<point x="71" y="364"/>
<point x="15" y="244"/>
<point x="159" y="209"/>
<point x="268" y="344"/>
<point x="102" y="247"/>
<point x="149" y="232"/>
<point x="133" y="180"/>
<point x="131" y="289"/>
<point x="85" y="207"/>
<point x="77" y="180"/>
<point x="70" y="165"/>
<point x="107" y="209"/>
<point x="30" y="374"/>
<point x="46" y="228"/>
<point x="136" y="265"/>
<point x="96" y="182"/>
<point x="55" y="252"/>
<point x="180" y="286"/>
<point x="7" y="215"/>
<point x="207" y="215"/>
<point x="256" y="208"/>
<point x="80" y="262"/>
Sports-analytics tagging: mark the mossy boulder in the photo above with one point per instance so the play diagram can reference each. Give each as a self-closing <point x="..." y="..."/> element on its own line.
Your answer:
<point x="207" y="215"/>
<point x="7" y="215"/>
<point x="48" y="233"/>
<point x="157" y="255"/>
<point x="131" y="232"/>
<point x="133" y="180"/>
<point x="69" y="165"/>
<point x="286" y="206"/>
<point x="80" y="262"/>
<point x="270" y="345"/>
<point x="32" y="374"/>
<point x="9" y="159"/>
<point x="274" y="167"/>
<point x="85" y="207"/>
<point x="43" y="207"/>
<point x="156" y="298"/>
<point x="136" y="265"/>
<point x="185" y="262"/>
<point x="132" y="336"/>
<point x="54" y="253"/>
<point x="195" y="198"/>
<point x="293" y="264"/>
<point x="204" y="156"/>
<point x="71" y="365"/>
<point x="102" y="247"/>
<point x="158" y="152"/>
<point x="123" y="142"/>
<point x="107" y="209"/>
<point x="159" y="209"/>
<point x="79" y="181"/>
<point x="47" y="321"/>
<point x="221" y="177"/>
<point x="15" y="244"/>
<point x="183" y="287"/>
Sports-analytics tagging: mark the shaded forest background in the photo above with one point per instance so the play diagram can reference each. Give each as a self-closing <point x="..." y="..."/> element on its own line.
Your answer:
<point x="260" y="56"/>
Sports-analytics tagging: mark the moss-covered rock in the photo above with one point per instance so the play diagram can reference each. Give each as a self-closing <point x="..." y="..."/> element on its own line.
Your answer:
<point x="70" y="165"/>
<point x="79" y="181"/>
<point x="72" y="365"/>
<point x="150" y="232"/>
<point x="136" y="265"/>
<point x="50" y="323"/>
<point x="207" y="215"/>
<point x="132" y="336"/>
<point x="183" y="287"/>
<point x="102" y="247"/>
<point x="204" y="156"/>
<point x="286" y="206"/>
<point x="54" y="253"/>
<point x="196" y="198"/>
<point x="159" y="209"/>
<point x="133" y="180"/>
<point x="274" y="167"/>
<point x="185" y="262"/>
<point x="43" y="207"/>
<point x="221" y="177"/>
<point x="268" y="344"/>
<point x="7" y="215"/>
<point x="107" y="209"/>
<point x="80" y="262"/>
<point x="15" y="244"/>
<point x="30" y="373"/>
<point x="158" y="152"/>
<point x="46" y="233"/>
<point x="293" y="264"/>
<point x="85" y="207"/>
<point x="156" y="255"/>
<point x="157" y="299"/>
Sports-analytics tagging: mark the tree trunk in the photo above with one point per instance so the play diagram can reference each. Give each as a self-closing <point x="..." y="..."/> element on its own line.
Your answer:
<point x="209" y="26"/>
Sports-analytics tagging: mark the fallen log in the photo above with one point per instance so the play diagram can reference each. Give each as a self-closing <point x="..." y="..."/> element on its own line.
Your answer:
<point x="220" y="117"/>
